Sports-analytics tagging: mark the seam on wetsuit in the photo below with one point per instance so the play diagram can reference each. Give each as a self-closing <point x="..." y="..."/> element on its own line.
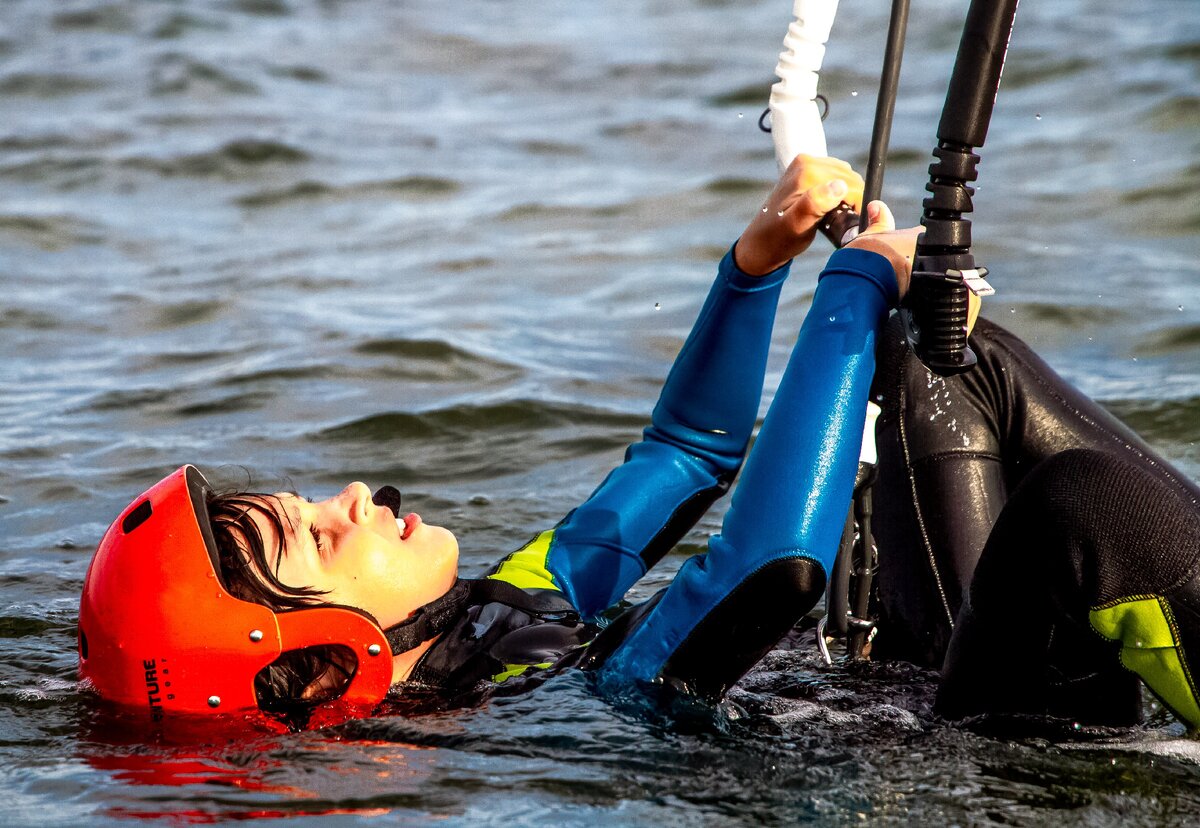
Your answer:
<point x="957" y="455"/>
<point x="1168" y="616"/>
<point x="683" y="518"/>
<point x="912" y="482"/>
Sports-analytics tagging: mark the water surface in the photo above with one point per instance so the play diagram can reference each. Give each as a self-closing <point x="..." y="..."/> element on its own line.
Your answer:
<point x="454" y="247"/>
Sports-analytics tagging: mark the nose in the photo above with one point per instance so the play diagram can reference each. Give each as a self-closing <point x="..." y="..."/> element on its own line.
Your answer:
<point x="355" y="501"/>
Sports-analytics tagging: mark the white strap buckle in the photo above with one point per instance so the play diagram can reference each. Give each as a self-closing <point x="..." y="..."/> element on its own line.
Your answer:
<point x="975" y="280"/>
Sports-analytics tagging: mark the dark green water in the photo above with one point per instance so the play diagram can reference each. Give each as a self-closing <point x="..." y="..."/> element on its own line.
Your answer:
<point x="454" y="247"/>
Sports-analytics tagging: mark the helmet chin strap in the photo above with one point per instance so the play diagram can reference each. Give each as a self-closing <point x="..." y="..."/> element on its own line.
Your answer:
<point x="429" y="620"/>
<point x="442" y="613"/>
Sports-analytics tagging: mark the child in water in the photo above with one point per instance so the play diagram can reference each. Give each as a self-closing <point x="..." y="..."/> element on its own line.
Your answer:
<point x="198" y="602"/>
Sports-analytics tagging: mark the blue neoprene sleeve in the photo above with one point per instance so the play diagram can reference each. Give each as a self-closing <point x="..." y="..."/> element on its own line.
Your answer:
<point x="794" y="492"/>
<point x="691" y="451"/>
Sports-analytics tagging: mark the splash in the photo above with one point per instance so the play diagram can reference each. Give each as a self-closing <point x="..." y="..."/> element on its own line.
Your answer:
<point x="939" y="395"/>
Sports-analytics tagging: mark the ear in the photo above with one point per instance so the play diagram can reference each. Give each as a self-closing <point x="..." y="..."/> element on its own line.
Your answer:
<point x="333" y="679"/>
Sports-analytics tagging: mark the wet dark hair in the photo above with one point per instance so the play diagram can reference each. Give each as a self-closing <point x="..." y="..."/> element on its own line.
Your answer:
<point x="285" y="686"/>
<point x="242" y="553"/>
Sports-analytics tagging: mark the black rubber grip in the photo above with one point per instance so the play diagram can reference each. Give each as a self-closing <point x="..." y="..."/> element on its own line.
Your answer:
<point x="838" y="223"/>
<point x="937" y="303"/>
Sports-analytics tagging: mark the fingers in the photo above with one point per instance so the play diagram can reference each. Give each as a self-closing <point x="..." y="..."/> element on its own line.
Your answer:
<point x="815" y="202"/>
<point x="818" y="201"/>
<point x="787" y="223"/>
<point x="803" y="164"/>
<point x="974" y="305"/>
<point x="807" y="173"/>
<point x="882" y="237"/>
<point x="880" y="218"/>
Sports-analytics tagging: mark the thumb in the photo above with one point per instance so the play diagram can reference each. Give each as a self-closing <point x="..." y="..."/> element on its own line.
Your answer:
<point x="880" y="217"/>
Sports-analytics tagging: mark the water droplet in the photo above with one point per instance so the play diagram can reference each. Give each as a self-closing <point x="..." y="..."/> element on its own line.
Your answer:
<point x="658" y="306"/>
<point x="1099" y="295"/>
<point x="765" y="208"/>
<point x="1012" y="310"/>
<point x="1181" y="307"/>
<point x="854" y="94"/>
<point x="1037" y="117"/>
<point x="780" y="214"/>
<point x="1076" y="726"/>
<point x="740" y="115"/>
<point x="833" y="319"/>
<point x="1135" y="359"/>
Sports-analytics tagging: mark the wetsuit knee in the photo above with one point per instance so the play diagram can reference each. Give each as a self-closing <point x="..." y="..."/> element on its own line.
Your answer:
<point x="1141" y="566"/>
<point x="1090" y="544"/>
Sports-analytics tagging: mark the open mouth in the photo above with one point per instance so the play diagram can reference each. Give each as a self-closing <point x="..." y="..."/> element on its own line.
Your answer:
<point x="408" y="524"/>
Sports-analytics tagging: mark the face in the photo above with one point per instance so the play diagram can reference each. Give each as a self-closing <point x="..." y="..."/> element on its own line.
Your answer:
<point x="361" y="555"/>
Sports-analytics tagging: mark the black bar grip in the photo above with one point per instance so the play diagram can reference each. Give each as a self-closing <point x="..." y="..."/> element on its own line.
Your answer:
<point x="840" y="225"/>
<point x="935" y="319"/>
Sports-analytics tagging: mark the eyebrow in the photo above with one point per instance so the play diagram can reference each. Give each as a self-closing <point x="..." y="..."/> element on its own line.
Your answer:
<point x="250" y="526"/>
<point x="273" y="522"/>
<point x="291" y="521"/>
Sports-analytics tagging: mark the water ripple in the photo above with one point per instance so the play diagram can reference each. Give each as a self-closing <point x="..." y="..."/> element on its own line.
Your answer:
<point x="411" y="187"/>
<point x="232" y="160"/>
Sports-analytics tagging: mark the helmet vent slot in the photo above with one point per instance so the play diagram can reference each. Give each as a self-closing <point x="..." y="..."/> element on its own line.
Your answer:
<point x="83" y="648"/>
<point x="137" y="517"/>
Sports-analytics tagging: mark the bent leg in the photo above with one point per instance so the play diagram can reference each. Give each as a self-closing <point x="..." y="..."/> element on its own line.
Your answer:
<point x="950" y="451"/>
<point x="768" y="566"/>
<point x="1090" y="572"/>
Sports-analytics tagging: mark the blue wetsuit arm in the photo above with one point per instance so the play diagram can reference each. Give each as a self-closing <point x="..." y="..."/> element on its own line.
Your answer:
<point x="687" y="457"/>
<point x="780" y="535"/>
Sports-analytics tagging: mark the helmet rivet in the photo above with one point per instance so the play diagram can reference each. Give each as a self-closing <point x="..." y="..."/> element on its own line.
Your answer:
<point x="256" y="636"/>
<point x="374" y="649"/>
<point x="214" y="701"/>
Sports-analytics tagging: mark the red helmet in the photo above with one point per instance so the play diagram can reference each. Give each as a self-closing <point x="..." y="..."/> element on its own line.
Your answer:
<point x="159" y="631"/>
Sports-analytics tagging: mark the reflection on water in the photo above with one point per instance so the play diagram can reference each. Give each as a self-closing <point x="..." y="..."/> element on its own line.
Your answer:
<point x="454" y="248"/>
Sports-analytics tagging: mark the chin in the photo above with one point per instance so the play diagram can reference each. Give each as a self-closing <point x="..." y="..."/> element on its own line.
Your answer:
<point x="447" y="551"/>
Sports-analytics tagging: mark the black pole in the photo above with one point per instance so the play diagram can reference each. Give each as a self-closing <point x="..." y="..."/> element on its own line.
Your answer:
<point x="847" y="600"/>
<point x="885" y="105"/>
<point x="936" y="313"/>
<point x="839" y="221"/>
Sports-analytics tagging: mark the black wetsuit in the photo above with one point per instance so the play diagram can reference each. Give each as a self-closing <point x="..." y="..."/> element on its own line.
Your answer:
<point x="1030" y="544"/>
